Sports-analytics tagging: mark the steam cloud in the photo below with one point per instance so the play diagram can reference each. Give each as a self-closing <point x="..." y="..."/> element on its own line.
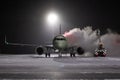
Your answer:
<point x="88" y="40"/>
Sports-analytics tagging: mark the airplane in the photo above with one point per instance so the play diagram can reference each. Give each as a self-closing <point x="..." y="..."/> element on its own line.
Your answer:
<point x="59" y="45"/>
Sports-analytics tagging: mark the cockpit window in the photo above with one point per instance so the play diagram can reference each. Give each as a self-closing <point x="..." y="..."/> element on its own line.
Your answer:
<point x="59" y="38"/>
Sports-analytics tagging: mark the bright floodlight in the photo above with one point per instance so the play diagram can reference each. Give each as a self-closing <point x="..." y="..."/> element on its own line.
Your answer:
<point x="52" y="18"/>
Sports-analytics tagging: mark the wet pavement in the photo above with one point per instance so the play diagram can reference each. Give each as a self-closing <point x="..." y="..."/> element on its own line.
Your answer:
<point x="39" y="67"/>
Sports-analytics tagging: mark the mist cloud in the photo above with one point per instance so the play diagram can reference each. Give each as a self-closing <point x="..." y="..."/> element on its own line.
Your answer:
<point x="88" y="40"/>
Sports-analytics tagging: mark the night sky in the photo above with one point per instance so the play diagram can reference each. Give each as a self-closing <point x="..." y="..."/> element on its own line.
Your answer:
<point x="24" y="20"/>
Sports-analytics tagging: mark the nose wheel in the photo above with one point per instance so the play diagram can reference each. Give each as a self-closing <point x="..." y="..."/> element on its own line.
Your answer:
<point x="60" y="54"/>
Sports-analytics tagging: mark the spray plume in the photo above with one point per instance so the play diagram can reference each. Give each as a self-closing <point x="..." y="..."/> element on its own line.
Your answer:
<point x="88" y="40"/>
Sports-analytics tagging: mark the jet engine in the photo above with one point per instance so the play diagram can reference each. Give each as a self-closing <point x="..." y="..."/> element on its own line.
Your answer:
<point x="39" y="50"/>
<point x="80" y="50"/>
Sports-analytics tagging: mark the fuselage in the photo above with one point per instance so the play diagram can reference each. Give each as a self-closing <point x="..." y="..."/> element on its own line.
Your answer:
<point x="60" y="42"/>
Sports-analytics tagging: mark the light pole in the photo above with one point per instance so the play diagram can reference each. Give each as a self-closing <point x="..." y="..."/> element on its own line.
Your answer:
<point x="60" y="29"/>
<point x="52" y="19"/>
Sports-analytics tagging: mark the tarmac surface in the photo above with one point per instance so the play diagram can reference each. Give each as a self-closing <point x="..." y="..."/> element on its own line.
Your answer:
<point x="35" y="67"/>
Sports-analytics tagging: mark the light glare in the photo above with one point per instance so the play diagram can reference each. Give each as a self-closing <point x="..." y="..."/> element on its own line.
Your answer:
<point x="52" y="18"/>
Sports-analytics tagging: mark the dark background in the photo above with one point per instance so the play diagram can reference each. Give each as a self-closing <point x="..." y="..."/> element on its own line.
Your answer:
<point x="23" y="20"/>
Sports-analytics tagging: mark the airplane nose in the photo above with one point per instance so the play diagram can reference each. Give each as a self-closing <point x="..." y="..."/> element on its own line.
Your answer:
<point x="60" y="42"/>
